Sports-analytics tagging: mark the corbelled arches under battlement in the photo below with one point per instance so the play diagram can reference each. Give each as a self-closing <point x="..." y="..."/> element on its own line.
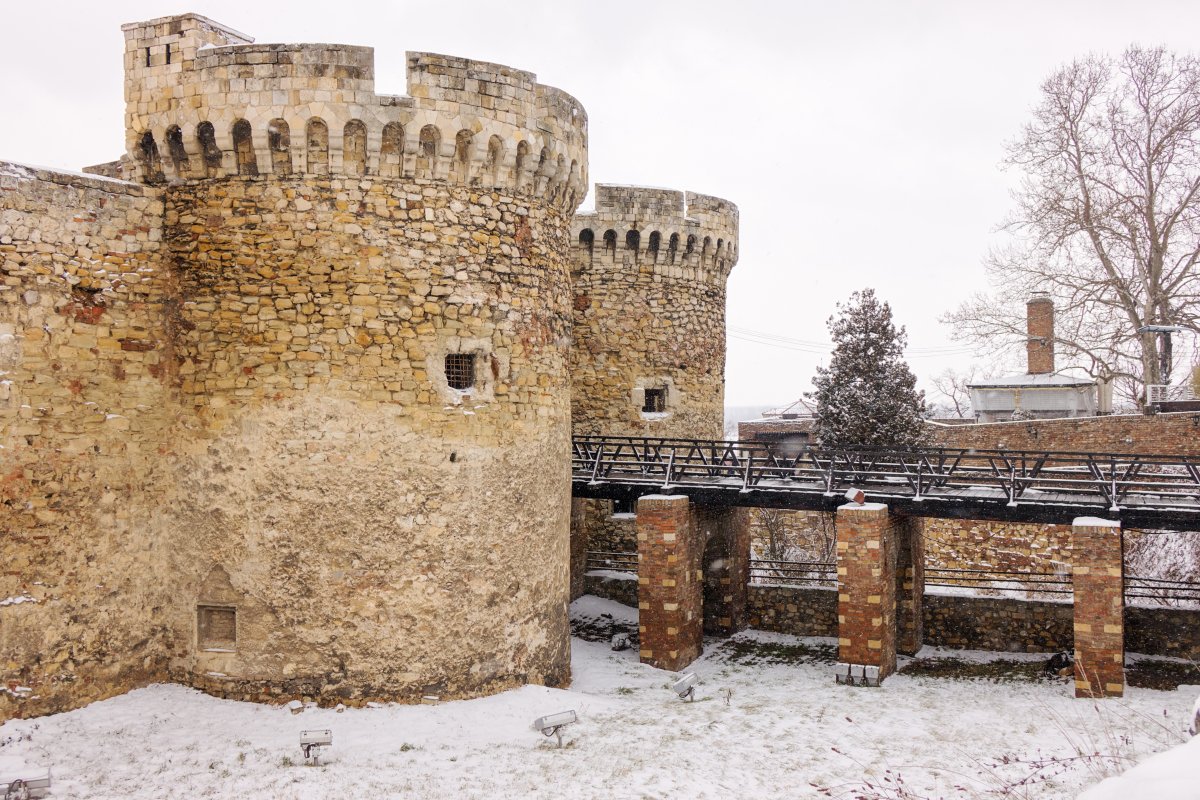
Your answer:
<point x="396" y="150"/>
<point x="715" y="260"/>
<point x="243" y="148"/>
<point x="279" y="142"/>
<point x="391" y="151"/>
<point x="700" y="231"/>
<point x="354" y="148"/>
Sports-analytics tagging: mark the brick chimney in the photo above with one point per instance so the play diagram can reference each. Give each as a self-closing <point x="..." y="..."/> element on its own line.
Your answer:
<point x="1039" y="320"/>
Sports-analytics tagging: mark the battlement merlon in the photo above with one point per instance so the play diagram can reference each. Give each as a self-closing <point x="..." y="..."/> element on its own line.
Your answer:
<point x="692" y="229"/>
<point x="184" y="72"/>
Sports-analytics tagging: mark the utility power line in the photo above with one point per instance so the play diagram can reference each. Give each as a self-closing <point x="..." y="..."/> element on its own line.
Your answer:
<point x="824" y="348"/>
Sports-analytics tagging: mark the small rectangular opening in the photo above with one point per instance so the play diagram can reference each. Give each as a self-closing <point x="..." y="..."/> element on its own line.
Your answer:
<point x="168" y="52"/>
<point x="460" y="370"/>
<point x="147" y="56"/>
<point x="655" y="401"/>
<point x="216" y="627"/>
<point x="624" y="506"/>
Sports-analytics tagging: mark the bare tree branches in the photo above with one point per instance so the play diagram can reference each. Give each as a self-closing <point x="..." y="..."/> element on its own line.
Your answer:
<point x="953" y="385"/>
<point x="1107" y="218"/>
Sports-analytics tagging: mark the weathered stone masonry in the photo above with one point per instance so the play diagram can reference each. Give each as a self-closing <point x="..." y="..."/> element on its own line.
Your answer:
<point x="233" y="452"/>
<point x="86" y="395"/>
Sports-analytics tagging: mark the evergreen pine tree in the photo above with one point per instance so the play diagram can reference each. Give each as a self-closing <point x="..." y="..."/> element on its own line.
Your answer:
<point x="867" y="395"/>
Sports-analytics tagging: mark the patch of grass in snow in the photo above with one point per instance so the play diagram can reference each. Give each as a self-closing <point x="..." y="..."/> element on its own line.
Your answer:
<point x="1152" y="673"/>
<point x="748" y="651"/>
<point x="998" y="671"/>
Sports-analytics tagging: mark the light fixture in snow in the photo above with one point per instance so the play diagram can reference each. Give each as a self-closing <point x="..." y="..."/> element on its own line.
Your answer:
<point x="27" y="782"/>
<point x="856" y="495"/>
<point x="856" y="674"/>
<point x="552" y="724"/>
<point x="685" y="687"/>
<point x="312" y="742"/>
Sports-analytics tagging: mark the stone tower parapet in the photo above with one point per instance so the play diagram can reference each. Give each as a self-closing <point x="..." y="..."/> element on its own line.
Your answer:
<point x="677" y="235"/>
<point x="203" y="100"/>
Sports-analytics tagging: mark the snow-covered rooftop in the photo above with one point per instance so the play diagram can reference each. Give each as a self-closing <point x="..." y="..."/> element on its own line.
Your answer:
<point x="1022" y="381"/>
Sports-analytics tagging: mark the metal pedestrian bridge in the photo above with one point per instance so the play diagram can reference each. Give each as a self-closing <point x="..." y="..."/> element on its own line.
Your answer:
<point x="1147" y="492"/>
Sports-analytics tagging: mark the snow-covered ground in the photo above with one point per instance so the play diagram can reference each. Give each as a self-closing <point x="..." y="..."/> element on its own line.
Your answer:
<point x="763" y="725"/>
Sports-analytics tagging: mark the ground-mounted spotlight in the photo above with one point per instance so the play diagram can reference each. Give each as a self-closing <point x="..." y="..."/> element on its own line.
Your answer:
<point x="685" y="687"/>
<point x="552" y="724"/>
<point x="856" y="674"/>
<point x="855" y="495"/>
<point x="25" y="783"/>
<point x="312" y="742"/>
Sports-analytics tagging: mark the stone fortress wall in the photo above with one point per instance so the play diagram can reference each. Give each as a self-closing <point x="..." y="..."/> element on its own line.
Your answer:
<point x="86" y="402"/>
<point x="648" y="275"/>
<point x="277" y="413"/>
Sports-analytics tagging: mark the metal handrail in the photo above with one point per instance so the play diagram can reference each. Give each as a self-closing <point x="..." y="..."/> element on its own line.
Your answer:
<point x="1112" y="479"/>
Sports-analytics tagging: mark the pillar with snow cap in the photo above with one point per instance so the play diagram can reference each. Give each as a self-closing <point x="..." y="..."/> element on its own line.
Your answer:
<point x="1098" y="580"/>
<point x="866" y="574"/>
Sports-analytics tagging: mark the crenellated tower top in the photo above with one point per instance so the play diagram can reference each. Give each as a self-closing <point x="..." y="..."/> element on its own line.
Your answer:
<point x="203" y="100"/>
<point x="683" y="235"/>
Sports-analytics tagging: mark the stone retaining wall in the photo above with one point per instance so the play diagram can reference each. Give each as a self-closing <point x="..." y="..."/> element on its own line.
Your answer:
<point x="622" y="589"/>
<point x="1001" y="624"/>
<point x="793" y="609"/>
<point x="997" y="623"/>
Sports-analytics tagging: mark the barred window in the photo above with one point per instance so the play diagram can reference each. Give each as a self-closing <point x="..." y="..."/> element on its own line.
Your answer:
<point x="655" y="401"/>
<point x="460" y="370"/>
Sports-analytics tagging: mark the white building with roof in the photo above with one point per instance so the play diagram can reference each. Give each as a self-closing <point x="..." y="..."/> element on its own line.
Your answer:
<point x="1040" y="393"/>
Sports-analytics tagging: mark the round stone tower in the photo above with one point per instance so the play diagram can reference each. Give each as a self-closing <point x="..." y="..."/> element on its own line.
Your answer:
<point x="371" y="318"/>
<point x="648" y="273"/>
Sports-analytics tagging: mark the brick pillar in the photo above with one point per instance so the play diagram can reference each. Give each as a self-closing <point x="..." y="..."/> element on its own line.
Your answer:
<point x="910" y="584"/>
<point x="866" y="568"/>
<point x="1098" y="576"/>
<point x="726" y="567"/>
<point x="670" y="584"/>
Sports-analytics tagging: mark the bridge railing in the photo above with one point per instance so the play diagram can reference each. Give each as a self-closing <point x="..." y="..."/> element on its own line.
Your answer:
<point x="614" y="561"/>
<point x="792" y="573"/>
<point x="1114" y="479"/>
<point x="1140" y="590"/>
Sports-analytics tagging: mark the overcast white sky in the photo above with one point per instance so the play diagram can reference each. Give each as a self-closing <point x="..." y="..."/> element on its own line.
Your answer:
<point x="861" y="140"/>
